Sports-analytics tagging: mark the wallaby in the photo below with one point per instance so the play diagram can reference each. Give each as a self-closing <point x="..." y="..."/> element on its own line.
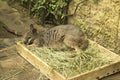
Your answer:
<point x="69" y="35"/>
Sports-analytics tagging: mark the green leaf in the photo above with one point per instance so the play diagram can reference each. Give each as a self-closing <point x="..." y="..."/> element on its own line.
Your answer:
<point x="62" y="16"/>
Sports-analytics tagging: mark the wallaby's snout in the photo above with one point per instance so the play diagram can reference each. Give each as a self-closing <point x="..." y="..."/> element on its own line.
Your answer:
<point x="28" y="41"/>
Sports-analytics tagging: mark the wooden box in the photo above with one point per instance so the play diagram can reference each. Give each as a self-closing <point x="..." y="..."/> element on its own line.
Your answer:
<point x="47" y="70"/>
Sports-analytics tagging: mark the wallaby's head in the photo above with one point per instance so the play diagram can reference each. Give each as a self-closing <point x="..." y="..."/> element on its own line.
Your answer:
<point x="30" y="35"/>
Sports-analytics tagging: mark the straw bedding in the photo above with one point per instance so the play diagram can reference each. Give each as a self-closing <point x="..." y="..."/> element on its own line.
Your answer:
<point x="71" y="63"/>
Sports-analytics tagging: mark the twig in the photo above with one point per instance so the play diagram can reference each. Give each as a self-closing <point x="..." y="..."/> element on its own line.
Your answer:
<point x="76" y="8"/>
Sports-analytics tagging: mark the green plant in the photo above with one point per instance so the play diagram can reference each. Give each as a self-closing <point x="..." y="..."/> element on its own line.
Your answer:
<point x="53" y="11"/>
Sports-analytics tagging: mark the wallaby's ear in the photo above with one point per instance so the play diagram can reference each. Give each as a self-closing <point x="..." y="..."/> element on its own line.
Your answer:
<point x="32" y="29"/>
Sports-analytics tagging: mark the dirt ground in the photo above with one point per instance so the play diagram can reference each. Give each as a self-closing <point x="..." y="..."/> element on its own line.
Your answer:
<point x="12" y="65"/>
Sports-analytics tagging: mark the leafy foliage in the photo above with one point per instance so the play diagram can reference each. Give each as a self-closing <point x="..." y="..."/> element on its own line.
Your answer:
<point x="53" y="11"/>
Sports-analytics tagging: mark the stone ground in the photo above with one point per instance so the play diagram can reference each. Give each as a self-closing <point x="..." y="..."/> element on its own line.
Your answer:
<point x="12" y="65"/>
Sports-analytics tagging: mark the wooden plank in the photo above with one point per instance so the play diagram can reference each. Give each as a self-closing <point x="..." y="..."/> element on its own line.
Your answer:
<point x="98" y="72"/>
<point x="106" y="50"/>
<point x="115" y="76"/>
<point x="38" y="63"/>
<point x="95" y="74"/>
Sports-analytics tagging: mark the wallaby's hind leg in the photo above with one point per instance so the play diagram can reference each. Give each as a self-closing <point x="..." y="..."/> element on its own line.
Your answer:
<point x="71" y="42"/>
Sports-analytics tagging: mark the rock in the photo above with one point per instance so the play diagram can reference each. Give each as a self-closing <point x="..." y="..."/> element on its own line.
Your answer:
<point x="13" y="20"/>
<point x="4" y="33"/>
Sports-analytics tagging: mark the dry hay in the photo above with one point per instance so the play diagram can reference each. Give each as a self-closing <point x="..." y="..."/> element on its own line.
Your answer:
<point x="71" y="63"/>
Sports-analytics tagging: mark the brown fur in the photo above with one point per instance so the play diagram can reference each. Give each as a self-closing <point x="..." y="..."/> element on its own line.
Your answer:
<point x="70" y="35"/>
